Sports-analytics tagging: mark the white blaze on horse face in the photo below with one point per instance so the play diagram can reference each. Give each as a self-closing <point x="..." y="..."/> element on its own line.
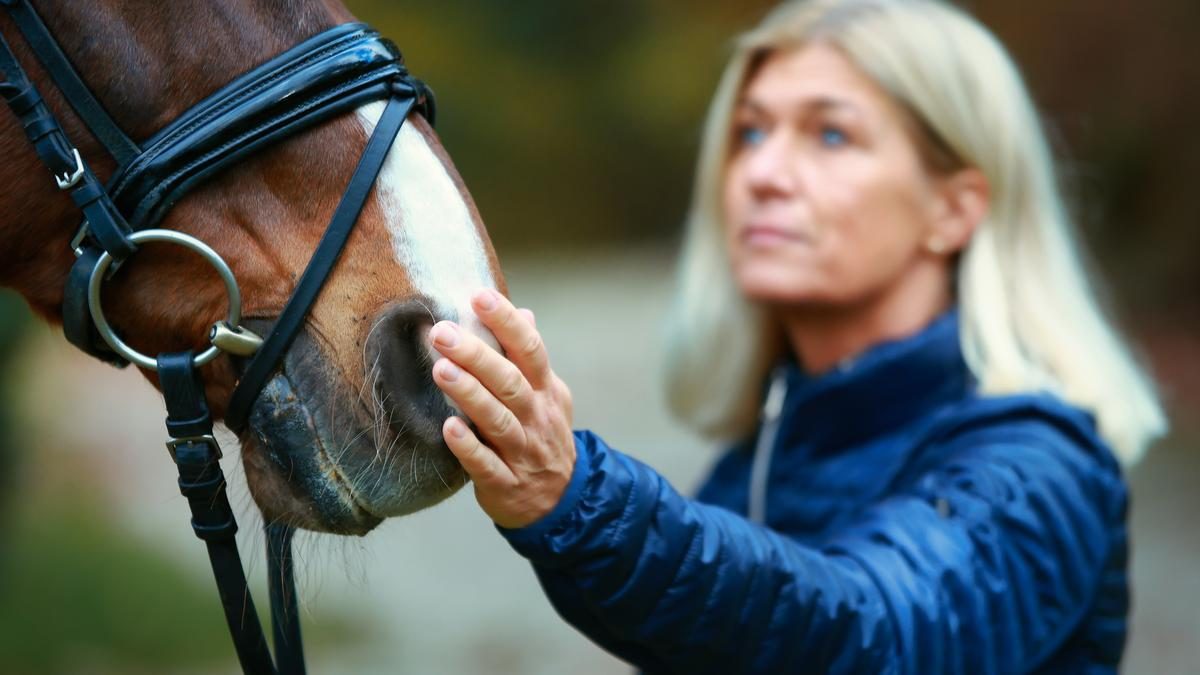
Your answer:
<point x="433" y="235"/>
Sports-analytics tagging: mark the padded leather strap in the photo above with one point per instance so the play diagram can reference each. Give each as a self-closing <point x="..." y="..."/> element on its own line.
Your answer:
<point x="319" y="266"/>
<point x="324" y="76"/>
<point x="59" y="67"/>
<point x="201" y="480"/>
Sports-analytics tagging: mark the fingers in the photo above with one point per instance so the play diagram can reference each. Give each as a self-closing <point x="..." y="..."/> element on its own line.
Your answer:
<point x="499" y="375"/>
<point x="494" y="420"/>
<point x="516" y="333"/>
<point x="478" y="460"/>
<point x="521" y="452"/>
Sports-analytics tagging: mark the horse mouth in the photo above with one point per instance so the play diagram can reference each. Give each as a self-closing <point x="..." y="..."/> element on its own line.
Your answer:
<point x="323" y="458"/>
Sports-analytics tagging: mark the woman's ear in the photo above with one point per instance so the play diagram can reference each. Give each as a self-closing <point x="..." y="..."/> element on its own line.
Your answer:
<point x="963" y="200"/>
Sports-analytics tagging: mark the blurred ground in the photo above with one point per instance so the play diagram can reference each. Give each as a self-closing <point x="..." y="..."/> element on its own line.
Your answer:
<point x="440" y="591"/>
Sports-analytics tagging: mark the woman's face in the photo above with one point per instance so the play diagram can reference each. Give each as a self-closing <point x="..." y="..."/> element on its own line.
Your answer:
<point x="827" y="203"/>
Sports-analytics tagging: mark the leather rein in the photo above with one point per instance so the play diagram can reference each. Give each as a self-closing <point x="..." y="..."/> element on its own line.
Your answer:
<point x="326" y="75"/>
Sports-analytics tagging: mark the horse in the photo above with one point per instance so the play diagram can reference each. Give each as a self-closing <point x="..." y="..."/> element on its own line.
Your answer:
<point x="347" y="431"/>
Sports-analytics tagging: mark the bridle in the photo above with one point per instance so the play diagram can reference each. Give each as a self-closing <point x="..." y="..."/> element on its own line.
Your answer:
<point x="326" y="75"/>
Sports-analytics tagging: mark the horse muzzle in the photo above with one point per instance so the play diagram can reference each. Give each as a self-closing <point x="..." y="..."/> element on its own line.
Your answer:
<point x="336" y="456"/>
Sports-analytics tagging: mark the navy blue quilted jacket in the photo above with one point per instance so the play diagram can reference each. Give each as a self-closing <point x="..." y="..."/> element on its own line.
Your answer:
<point x="909" y="525"/>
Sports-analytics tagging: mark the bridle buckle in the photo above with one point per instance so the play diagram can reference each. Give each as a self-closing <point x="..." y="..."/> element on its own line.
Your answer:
<point x="69" y="180"/>
<point x="206" y="439"/>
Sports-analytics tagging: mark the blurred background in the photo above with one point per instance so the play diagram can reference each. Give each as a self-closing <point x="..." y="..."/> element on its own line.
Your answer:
<point x="575" y="126"/>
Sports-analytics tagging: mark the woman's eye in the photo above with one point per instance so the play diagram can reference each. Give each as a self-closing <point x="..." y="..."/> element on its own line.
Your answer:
<point x="833" y="137"/>
<point x="750" y="135"/>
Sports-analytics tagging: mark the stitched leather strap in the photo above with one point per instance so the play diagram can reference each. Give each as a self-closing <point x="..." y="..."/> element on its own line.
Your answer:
<point x="319" y="266"/>
<point x="324" y="76"/>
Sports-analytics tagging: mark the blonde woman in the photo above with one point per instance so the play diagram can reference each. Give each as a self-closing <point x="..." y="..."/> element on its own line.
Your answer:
<point x="881" y="304"/>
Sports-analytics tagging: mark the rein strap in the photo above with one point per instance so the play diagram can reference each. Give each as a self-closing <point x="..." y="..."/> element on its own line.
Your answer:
<point x="201" y="480"/>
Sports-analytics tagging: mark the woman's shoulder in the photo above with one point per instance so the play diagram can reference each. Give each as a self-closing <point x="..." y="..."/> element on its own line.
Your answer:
<point x="1013" y="417"/>
<point x="1034" y="430"/>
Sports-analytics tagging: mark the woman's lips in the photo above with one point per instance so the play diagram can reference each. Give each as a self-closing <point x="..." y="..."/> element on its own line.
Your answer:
<point x="765" y="234"/>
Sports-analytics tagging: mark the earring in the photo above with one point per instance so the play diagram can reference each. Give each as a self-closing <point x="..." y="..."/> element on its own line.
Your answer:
<point x="936" y="246"/>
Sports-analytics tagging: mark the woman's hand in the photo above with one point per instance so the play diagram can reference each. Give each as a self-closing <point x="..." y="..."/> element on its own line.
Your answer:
<point x="522" y="452"/>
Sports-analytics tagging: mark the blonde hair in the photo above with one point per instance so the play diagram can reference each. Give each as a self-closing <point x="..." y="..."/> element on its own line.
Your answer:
<point x="1029" y="319"/>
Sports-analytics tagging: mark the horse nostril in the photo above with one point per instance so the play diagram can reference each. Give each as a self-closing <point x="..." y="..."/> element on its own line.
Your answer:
<point x="399" y="361"/>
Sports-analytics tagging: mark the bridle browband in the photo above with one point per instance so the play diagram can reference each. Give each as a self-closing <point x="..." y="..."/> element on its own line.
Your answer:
<point x="326" y="75"/>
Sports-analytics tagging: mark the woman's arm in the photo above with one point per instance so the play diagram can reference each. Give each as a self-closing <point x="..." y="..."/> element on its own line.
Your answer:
<point x="985" y="563"/>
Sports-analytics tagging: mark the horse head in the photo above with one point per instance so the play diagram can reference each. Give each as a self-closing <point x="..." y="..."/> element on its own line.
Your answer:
<point x="347" y="431"/>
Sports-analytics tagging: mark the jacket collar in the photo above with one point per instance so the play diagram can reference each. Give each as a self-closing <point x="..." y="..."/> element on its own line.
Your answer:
<point x="879" y="390"/>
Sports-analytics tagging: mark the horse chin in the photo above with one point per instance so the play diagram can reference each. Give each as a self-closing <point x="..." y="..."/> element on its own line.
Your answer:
<point x="317" y="459"/>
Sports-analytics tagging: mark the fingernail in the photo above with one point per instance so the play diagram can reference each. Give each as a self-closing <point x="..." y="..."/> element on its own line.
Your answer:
<point x="445" y="334"/>
<point x="450" y="372"/>
<point x="457" y="428"/>
<point x="487" y="300"/>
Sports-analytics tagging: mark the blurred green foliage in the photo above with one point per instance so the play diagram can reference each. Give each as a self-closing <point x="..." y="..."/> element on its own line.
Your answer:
<point x="82" y="595"/>
<point x="14" y="320"/>
<point x="14" y="317"/>
<point x="573" y="124"/>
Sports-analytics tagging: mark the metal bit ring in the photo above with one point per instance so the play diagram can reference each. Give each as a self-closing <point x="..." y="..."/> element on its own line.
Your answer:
<point x="173" y="237"/>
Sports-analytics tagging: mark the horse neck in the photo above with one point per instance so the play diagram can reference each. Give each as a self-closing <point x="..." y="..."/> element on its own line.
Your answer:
<point x="146" y="63"/>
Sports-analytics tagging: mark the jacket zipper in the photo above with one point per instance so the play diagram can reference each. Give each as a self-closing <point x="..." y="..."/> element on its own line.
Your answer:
<point x="760" y="469"/>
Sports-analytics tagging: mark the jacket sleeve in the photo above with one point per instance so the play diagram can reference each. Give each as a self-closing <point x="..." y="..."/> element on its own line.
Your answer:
<point x="983" y="564"/>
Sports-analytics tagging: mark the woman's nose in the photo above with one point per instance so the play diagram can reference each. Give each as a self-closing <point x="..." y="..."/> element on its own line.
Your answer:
<point x="770" y="167"/>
